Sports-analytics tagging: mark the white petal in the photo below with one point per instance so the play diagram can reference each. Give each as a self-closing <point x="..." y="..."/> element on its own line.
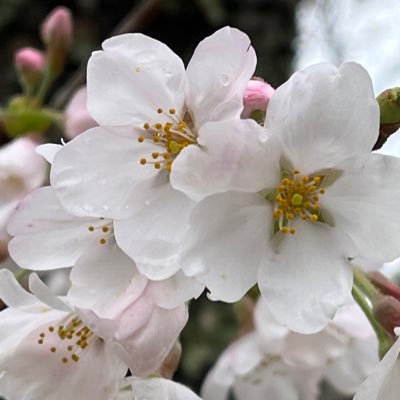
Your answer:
<point x="98" y="172"/>
<point x="218" y="74"/>
<point x="48" y="151"/>
<point x="159" y="389"/>
<point x="226" y="242"/>
<point x="46" y="236"/>
<point x="133" y="77"/>
<point x="172" y="292"/>
<point x="364" y="204"/>
<point x="43" y="293"/>
<point x="308" y="278"/>
<point x="230" y="157"/>
<point x="358" y="361"/>
<point x="153" y="236"/>
<point x="101" y="275"/>
<point x="324" y="114"/>
<point x="383" y="382"/>
<point x="12" y="293"/>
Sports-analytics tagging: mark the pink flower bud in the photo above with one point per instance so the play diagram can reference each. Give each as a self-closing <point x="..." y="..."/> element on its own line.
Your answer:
<point x="256" y="97"/>
<point x="387" y="313"/>
<point x="30" y="64"/>
<point x="385" y="285"/>
<point x="57" y="28"/>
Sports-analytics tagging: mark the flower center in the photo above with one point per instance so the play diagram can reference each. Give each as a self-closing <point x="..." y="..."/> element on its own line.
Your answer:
<point x="172" y="136"/>
<point x="296" y="196"/>
<point x="70" y="339"/>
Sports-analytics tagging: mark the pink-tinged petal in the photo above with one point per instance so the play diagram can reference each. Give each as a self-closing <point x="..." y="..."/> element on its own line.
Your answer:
<point x="226" y="242"/>
<point x="133" y="77"/>
<point x="99" y="174"/>
<point x="324" y="114"/>
<point x="308" y="277"/>
<point x="230" y="156"/>
<point x="364" y="204"/>
<point x="383" y="383"/>
<point x="218" y="74"/>
<point x="176" y="290"/>
<point x="153" y="235"/>
<point x="77" y="118"/>
<point x="46" y="236"/>
<point x="48" y="151"/>
<point x="34" y="372"/>
<point x="101" y="276"/>
<point x="158" y="389"/>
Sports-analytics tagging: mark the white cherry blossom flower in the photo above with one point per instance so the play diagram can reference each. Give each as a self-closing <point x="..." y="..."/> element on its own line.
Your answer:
<point x="287" y="365"/>
<point x="304" y="196"/>
<point x="21" y="170"/>
<point x="151" y="111"/>
<point x="47" y="237"/>
<point x="384" y="381"/>
<point x="154" y="389"/>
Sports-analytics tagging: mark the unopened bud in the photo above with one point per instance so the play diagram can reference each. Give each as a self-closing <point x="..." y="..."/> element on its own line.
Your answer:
<point x="57" y="35"/>
<point x="256" y="97"/>
<point x="385" y="285"/>
<point x="171" y="362"/>
<point x="30" y="64"/>
<point x="387" y="313"/>
<point x="389" y="106"/>
<point x="57" y="28"/>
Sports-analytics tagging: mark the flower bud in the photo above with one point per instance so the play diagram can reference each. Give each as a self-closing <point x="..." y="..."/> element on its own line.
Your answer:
<point x="30" y="64"/>
<point x="387" y="313"/>
<point x="385" y="285"/>
<point x="171" y="362"/>
<point x="57" y="35"/>
<point x="389" y="106"/>
<point x="256" y="97"/>
<point x="57" y="28"/>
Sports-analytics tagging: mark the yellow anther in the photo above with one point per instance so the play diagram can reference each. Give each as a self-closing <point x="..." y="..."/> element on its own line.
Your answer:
<point x="146" y="125"/>
<point x="285" y="229"/>
<point x="292" y="231"/>
<point x="297" y="199"/>
<point x="143" y="161"/>
<point x="158" y="126"/>
<point x="305" y="178"/>
<point x="174" y="147"/>
<point x="91" y="228"/>
<point x="155" y="154"/>
<point x="314" y="217"/>
<point x="172" y="111"/>
<point x="102" y="241"/>
<point x="42" y="335"/>
<point x="317" y="180"/>
<point x="104" y="229"/>
<point x="69" y="348"/>
<point x="157" y="165"/>
<point x="51" y="328"/>
<point x="315" y="198"/>
<point x="159" y="110"/>
<point x="64" y="360"/>
<point x="296" y="171"/>
<point x="75" y="357"/>
<point x="156" y="139"/>
<point x="53" y="349"/>
<point x="40" y="341"/>
<point x="140" y="139"/>
<point x="322" y="191"/>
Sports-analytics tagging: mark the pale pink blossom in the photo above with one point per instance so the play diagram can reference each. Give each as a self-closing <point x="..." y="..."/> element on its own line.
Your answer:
<point x="57" y="27"/>
<point x="30" y="64"/>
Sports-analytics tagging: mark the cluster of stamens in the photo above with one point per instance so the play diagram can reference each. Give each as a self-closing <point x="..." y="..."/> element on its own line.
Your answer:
<point x="172" y="136"/>
<point x="297" y="196"/>
<point x="104" y="229"/>
<point x="74" y="338"/>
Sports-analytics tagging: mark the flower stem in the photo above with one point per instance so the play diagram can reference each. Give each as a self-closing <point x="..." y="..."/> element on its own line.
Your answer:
<point x="365" y="285"/>
<point x="384" y="339"/>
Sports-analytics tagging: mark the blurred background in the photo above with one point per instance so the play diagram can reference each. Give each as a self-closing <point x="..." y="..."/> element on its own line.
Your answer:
<point x="287" y="35"/>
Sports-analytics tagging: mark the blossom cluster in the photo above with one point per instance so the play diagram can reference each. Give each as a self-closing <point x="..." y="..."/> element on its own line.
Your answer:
<point x="178" y="186"/>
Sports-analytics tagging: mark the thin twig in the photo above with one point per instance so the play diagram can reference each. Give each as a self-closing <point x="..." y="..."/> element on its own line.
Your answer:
<point x="137" y="18"/>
